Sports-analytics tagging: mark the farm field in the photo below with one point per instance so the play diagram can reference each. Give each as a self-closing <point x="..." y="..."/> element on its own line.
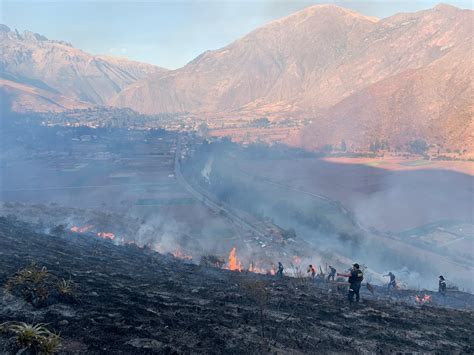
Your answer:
<point x="389" y="196"/>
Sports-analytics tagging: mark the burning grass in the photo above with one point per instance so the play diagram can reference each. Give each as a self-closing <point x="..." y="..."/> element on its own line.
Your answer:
<point x="88" y="229"/>
<point x="234" y="262"/>
<point x="421" y="300"/>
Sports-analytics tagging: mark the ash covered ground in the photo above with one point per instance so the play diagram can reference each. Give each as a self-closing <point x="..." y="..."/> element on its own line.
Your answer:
<point x="131" y="300"/>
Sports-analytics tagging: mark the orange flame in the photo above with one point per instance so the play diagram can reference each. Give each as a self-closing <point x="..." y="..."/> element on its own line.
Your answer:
<point x="258" y="270"/>
<point x="234" y="262"/>
<point x="84" y="229"/>
<point x="297" y="260"/>
<point x="423" y="300"/>
<point x="106" y="235"/>
<point x="181" y="255"/>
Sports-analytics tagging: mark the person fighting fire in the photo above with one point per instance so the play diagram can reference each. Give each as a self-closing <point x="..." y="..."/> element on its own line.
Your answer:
<point x="355" y="280"/>
<point x="392" y="282"/>
<point x="280" y="269"/>
<point x="332" y="273"/>
<point x="442" y="285"/>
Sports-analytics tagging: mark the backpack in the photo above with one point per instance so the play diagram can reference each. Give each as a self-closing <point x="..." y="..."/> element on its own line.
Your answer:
<point x="360" y="276"/>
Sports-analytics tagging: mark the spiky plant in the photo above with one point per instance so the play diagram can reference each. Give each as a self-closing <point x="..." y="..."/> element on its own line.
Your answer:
<point x="50" y="344"/>
<point x="32" y="273"/>
<point x="35" y="336"/>
<point x="66" y="287"/>
<point x="28" y="334"/>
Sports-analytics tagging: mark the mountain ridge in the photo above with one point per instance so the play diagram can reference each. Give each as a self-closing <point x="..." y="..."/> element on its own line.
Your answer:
<point x="320" y="64"/>
<point x="308" y="63"/>
<point x="56" y="66"/>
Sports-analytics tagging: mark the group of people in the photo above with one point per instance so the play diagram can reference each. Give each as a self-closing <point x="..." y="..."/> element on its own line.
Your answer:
<point x="441" y="283"/>
<point x="355" y="278"/>
<point x="312" y="271"/>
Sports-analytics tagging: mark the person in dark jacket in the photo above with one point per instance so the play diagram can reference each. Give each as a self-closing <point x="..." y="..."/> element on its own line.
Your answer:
<point x="392" y="282"/>
<point x="355" y="280"/>
<point x="280" y="269"/>
<point x="332" y="273"/>
<point x="442" y="285"/>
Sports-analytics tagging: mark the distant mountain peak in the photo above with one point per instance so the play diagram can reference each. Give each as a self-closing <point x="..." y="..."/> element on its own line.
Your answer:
<point x="34" y="36"/>
<point x="37" y="63"/>
<point x="328" y="10"/>
<point x="443" y="6"/>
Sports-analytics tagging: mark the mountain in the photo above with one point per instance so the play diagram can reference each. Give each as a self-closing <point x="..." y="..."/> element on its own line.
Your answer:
<point x="57" y="68"/>
<point x="358" y="78"/>
<point x="432" y="101"/>
<point x="22" y="98"/>
<point x="272" y="67"/>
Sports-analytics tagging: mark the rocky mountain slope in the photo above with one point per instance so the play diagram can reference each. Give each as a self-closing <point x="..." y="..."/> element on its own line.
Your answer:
<point x="58" y="68"/>
<point x="358" y="78"/>
<point x="131" y="300"/>
<point x="23" y="98"/>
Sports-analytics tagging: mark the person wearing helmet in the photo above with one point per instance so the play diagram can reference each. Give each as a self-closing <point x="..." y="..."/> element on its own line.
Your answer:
<point x="355" y="280"/>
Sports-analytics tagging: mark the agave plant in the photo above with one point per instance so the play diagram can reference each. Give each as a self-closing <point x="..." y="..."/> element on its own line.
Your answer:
<point x="66" y="287"/>
<point x="49" y="344"/>
<point x="34" y="336"/>
<point x="31" y="273"/>
<point x="28" y="334"/>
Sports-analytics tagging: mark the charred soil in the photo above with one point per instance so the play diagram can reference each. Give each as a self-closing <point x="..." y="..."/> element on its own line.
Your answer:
<point x="131" y="300"/>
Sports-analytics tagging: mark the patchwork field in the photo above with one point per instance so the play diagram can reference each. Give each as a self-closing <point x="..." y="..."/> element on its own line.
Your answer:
<point x="388" y="195"/>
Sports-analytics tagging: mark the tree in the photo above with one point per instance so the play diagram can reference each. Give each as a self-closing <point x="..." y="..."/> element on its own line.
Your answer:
<point x="378" y="144"/>
<point x="203" y="130"/>
<point x="261" y="122"/>
<point x="289" y="233"/>
<point x="418" y="146"/>
<point x="343" y="145"/>
<point x="327" y="148"/>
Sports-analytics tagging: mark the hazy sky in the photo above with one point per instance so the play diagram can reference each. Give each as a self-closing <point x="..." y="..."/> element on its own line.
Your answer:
<point x="168" y="33"/>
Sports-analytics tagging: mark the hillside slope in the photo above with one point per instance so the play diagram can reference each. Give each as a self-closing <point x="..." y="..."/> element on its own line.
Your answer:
<point x="277" y="65"/>
<point x="132" y="300"/>
<point x="433" y="103"/>
<point x="33" y="60"/>
<point x="357" y="78"/>
<point x="23" y="98"/>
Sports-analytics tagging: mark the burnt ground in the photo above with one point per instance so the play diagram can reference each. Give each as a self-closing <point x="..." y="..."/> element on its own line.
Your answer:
<point x="130" y="300"/>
